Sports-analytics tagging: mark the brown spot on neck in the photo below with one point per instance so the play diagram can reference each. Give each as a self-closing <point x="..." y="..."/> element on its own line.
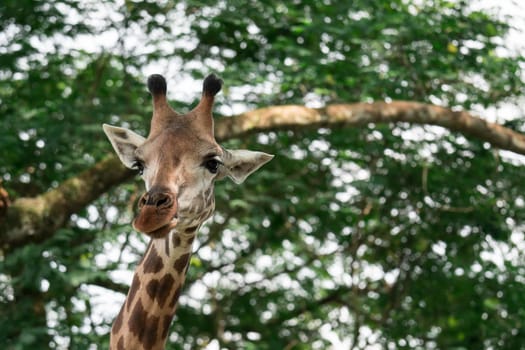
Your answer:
<point x="181" y="262"/>
<point x="166" y="326"/>
<point x="137" y="319"/>
<point x="159" y="290"/>
<point x="118" y="322"/>
<point x="191" y="229"/>
<point x="135" y="285"/>
<point x="143" y="326"/>
<point x="120" y="344"/>
<point x="151" y="331"/>
<point x="153" y="262"/>
<point x="176" y="240"/>
<point x="176" y="297"/>
<point x="167" y="245"/>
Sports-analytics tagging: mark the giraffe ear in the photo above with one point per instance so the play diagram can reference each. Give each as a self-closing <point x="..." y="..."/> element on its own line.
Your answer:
<point x="124" y="142"/>
<point x="239" y="164"/>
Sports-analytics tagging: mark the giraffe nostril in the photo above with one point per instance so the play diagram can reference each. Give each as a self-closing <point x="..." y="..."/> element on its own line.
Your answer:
<point x="162" y="202"/>
<point x="160" y="199"/>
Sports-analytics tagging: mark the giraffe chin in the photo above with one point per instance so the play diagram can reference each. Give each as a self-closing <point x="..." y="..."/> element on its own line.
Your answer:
<point x="163" y="231"/>
<point x="160" y="232"/>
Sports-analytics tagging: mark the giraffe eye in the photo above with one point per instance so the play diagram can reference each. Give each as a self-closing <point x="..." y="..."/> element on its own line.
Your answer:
<point x="139" y="166"/>
<point x="212" y="165"/>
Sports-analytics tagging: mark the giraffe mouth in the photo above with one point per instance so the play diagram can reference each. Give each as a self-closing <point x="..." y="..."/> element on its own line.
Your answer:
<point x="154" y="222"/>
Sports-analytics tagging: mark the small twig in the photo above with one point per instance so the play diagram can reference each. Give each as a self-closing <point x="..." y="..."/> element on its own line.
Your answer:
<point x="4" y="201"/>
<point x="291" y="344"/>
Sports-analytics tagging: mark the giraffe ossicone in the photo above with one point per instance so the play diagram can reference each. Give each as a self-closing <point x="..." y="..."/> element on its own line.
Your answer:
<point x="179" y="162"/>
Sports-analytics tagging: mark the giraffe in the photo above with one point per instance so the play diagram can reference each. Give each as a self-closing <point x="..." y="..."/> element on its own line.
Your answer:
<point x="179" y="162"/>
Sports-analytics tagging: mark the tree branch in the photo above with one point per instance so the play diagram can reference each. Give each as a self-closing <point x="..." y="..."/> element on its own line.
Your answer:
<point x="357" y="114"/>
<point x="35" y="219"/>
<point x="107" y="283"/>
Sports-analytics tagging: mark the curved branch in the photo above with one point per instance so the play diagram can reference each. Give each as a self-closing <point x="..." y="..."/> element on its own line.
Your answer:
<point x="108" y="283"/>
<point x="357" y="114"/>
<point x="35" y="219"/>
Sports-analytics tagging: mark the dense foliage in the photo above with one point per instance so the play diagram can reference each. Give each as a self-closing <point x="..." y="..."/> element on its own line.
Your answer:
<point x="382" y="237"/>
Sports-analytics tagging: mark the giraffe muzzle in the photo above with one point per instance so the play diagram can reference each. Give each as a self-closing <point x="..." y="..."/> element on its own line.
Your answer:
<point x="157" y="214"/>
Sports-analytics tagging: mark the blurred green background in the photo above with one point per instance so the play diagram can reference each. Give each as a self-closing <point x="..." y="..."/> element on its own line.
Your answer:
<point x="386" y="236"/>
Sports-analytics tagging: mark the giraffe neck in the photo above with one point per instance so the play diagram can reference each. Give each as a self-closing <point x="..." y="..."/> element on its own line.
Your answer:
<point x="145" y="317"/>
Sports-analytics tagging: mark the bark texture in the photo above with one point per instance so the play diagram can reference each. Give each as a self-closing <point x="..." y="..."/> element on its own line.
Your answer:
<point x="35" y="219"/>
<point x="357" y="114"/>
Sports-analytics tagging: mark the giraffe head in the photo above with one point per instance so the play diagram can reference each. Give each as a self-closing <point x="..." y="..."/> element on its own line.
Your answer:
<point x="179" y="161"/>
